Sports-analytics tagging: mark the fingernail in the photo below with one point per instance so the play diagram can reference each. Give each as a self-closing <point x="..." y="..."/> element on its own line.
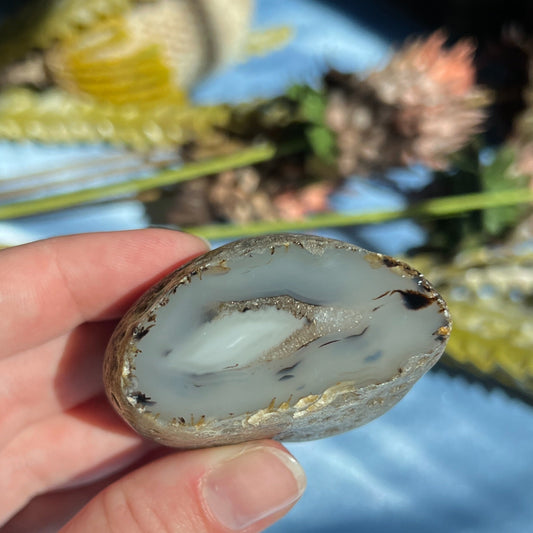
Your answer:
<point x="251" y="486"/>
<point x="173" y="227"/>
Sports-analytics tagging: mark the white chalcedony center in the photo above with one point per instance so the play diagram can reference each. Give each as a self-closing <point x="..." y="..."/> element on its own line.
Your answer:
<point x="233" y="340"/>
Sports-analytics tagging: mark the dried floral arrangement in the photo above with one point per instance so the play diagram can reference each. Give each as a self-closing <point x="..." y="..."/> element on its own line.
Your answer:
<point x="96" y="71"/>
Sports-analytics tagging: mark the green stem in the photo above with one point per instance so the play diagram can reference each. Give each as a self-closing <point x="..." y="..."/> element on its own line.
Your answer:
<point x="437" y="207"/>
<point x="249" y="156"/>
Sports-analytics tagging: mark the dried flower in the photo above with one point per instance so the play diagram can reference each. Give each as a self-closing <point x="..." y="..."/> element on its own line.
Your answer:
<point x="422" y="106"/>
<point x="136" y="57"/>
<point x="300" y="203"/>
<point x="277" y="189"/>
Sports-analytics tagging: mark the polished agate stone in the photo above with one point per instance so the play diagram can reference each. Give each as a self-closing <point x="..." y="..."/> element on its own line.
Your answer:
<point x="286" y="336"/>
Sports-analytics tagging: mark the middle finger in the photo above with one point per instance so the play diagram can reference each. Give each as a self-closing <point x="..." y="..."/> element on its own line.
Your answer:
<point x="55" y="377"/>
<point x="68" y="450"/>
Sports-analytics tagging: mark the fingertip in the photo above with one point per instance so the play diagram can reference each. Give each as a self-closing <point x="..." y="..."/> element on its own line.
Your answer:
<point x="244" y="487"/>
<point x="50" y="287"/>
<point x="252" y="487"/>
<point x="206" y="244"/>
<point x="171" y="243"/>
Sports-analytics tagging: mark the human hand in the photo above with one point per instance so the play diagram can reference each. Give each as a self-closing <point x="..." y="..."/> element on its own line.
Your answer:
<point x="61" y="444"/>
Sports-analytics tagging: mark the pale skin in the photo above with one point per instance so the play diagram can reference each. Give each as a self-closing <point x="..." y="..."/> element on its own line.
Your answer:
<point x="66" y="459"/>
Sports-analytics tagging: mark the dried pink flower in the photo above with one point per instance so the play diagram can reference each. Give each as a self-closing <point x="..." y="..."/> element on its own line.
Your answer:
<point x="422" y="106"/>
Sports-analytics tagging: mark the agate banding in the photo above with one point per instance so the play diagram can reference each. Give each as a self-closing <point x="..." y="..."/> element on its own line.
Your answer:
<point x="292" y="337"/>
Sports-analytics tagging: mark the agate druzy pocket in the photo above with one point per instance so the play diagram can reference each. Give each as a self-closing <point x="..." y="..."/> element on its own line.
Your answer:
<point x="293" y="337"/>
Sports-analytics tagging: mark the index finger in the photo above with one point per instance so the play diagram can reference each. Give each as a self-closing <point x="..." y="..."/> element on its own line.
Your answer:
<point x="49" y="287"/>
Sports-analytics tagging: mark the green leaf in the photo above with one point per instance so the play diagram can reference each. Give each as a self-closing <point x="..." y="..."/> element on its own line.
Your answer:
<point x="322" y="143"/>
<point x="498" y="176"/>
<point x="312" y="103"/>
<point x="314" y="107"/>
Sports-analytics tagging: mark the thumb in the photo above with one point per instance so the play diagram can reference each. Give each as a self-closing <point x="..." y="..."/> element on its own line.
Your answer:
<point x="244" y="487"/>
